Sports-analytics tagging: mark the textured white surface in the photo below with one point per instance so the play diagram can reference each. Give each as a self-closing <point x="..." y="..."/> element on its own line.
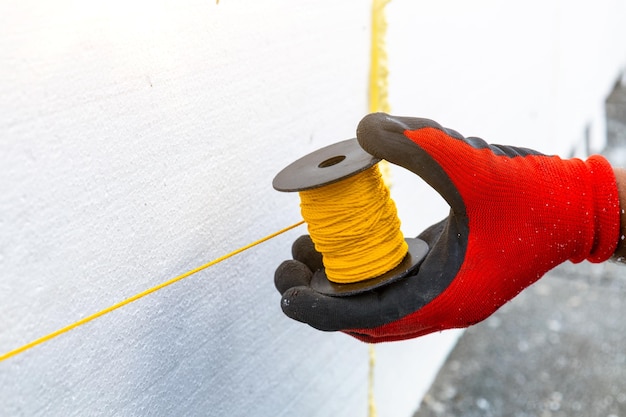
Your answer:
<point x="139" y="139"/>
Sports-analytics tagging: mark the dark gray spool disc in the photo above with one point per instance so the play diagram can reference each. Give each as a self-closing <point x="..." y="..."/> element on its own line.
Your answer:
<point x="414" y="257"/>
<point x="324" y="166"/>
<point x="332" y="164"/>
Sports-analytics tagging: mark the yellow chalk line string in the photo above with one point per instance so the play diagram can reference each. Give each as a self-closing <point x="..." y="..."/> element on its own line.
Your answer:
<point x="142" y="294"/>
<point x="378" y="101"/>
<point x="371" y="402"/>
<point x="378" y="77"/>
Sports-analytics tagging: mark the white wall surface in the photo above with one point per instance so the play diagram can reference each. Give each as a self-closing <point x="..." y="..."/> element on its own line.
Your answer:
<point x="138" y="139"/>
<point x="532" y="73"/>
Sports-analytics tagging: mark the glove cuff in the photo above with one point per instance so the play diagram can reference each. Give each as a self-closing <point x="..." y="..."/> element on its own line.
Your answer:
<point x="604" y="199"/>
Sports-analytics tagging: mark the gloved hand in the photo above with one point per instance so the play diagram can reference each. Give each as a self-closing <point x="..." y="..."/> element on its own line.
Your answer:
<point x="514" y="215"/>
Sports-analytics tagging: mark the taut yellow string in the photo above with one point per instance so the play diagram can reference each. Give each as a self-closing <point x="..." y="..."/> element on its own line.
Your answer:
<point x="136" y="297"/>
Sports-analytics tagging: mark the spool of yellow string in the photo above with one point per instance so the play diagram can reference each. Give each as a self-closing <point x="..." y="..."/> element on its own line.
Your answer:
<point x="351" y="218"/>
<point x="355" y="225"/>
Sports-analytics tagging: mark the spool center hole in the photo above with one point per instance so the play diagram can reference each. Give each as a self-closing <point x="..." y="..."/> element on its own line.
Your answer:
<point x="331" y="161"/>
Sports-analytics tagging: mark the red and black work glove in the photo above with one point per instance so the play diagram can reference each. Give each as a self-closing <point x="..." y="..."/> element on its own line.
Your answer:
<point x="514" y="215"/>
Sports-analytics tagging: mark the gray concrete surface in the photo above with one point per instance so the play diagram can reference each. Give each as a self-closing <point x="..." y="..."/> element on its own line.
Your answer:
<point x="558" y="349"/>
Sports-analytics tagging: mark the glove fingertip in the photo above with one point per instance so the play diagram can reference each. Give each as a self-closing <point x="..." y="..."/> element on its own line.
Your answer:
<point x="303" y="250"/>
<point x="291" y="305"/>
<point x="383" y="136"/>
<point x="380" y="127"/>
<point x="291" y="274"/>
<point x="307" y="306"/>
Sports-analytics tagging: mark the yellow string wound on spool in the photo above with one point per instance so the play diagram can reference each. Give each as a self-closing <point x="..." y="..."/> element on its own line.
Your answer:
<point x="351" y="219"/>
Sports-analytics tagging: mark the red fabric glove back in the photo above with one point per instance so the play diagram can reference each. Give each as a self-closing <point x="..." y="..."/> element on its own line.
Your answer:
<point x="526" y="215"/>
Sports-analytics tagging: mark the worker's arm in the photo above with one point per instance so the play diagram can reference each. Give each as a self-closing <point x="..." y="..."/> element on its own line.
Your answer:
<point x="514" y="215"/>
